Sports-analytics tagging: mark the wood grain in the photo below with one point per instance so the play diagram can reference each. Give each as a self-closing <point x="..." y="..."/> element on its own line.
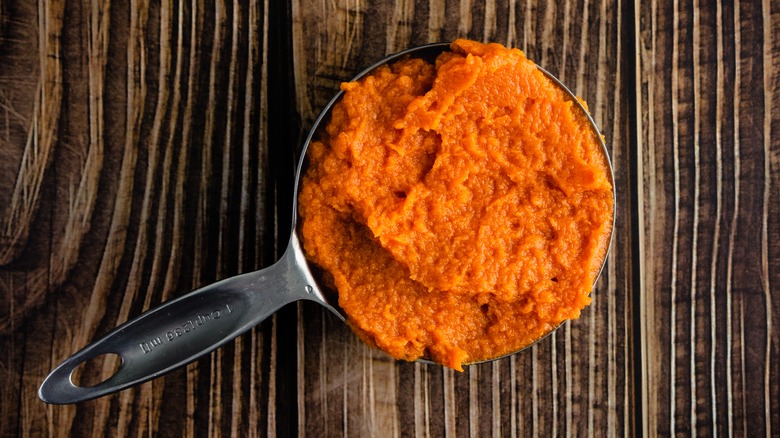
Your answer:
<point x="122" y="210"/>
<point x="706" y="88"/>
<point x="41" y="129"/>
<point x="148" y="148"/>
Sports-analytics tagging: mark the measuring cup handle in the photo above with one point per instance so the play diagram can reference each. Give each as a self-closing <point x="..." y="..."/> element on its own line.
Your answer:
<point x="180" y="331"/>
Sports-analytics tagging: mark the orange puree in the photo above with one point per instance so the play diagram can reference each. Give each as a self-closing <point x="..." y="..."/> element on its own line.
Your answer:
<point x="462" y="210"/>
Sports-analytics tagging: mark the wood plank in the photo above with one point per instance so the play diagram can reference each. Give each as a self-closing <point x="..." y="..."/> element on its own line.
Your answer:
<point x="158" y="97"/>
<point x="575" y="382"/>
<point x="707" y="82"/>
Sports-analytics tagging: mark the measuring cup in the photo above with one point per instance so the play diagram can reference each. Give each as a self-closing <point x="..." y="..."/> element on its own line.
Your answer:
<point x="182" y="330"/>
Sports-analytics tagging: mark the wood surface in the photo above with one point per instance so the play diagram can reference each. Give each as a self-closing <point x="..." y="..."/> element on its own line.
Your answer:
<point x="707" y="89"/>
<point x="148" y="148"/>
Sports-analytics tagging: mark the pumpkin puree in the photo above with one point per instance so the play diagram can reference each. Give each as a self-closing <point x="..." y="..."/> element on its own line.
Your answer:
<point x="462" y="210"/>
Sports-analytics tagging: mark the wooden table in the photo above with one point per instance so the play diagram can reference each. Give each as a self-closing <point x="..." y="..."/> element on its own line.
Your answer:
<point x="147" y="149"/>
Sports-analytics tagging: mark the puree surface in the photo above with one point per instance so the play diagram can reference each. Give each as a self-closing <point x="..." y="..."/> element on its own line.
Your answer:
<point x="462" y="210"/>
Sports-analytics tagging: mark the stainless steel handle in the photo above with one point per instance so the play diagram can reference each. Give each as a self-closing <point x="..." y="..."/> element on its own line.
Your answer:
<point x="182" y="330"/>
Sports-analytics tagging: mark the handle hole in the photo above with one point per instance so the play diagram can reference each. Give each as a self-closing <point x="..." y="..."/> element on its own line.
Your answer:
<point x="96" y="370"/>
